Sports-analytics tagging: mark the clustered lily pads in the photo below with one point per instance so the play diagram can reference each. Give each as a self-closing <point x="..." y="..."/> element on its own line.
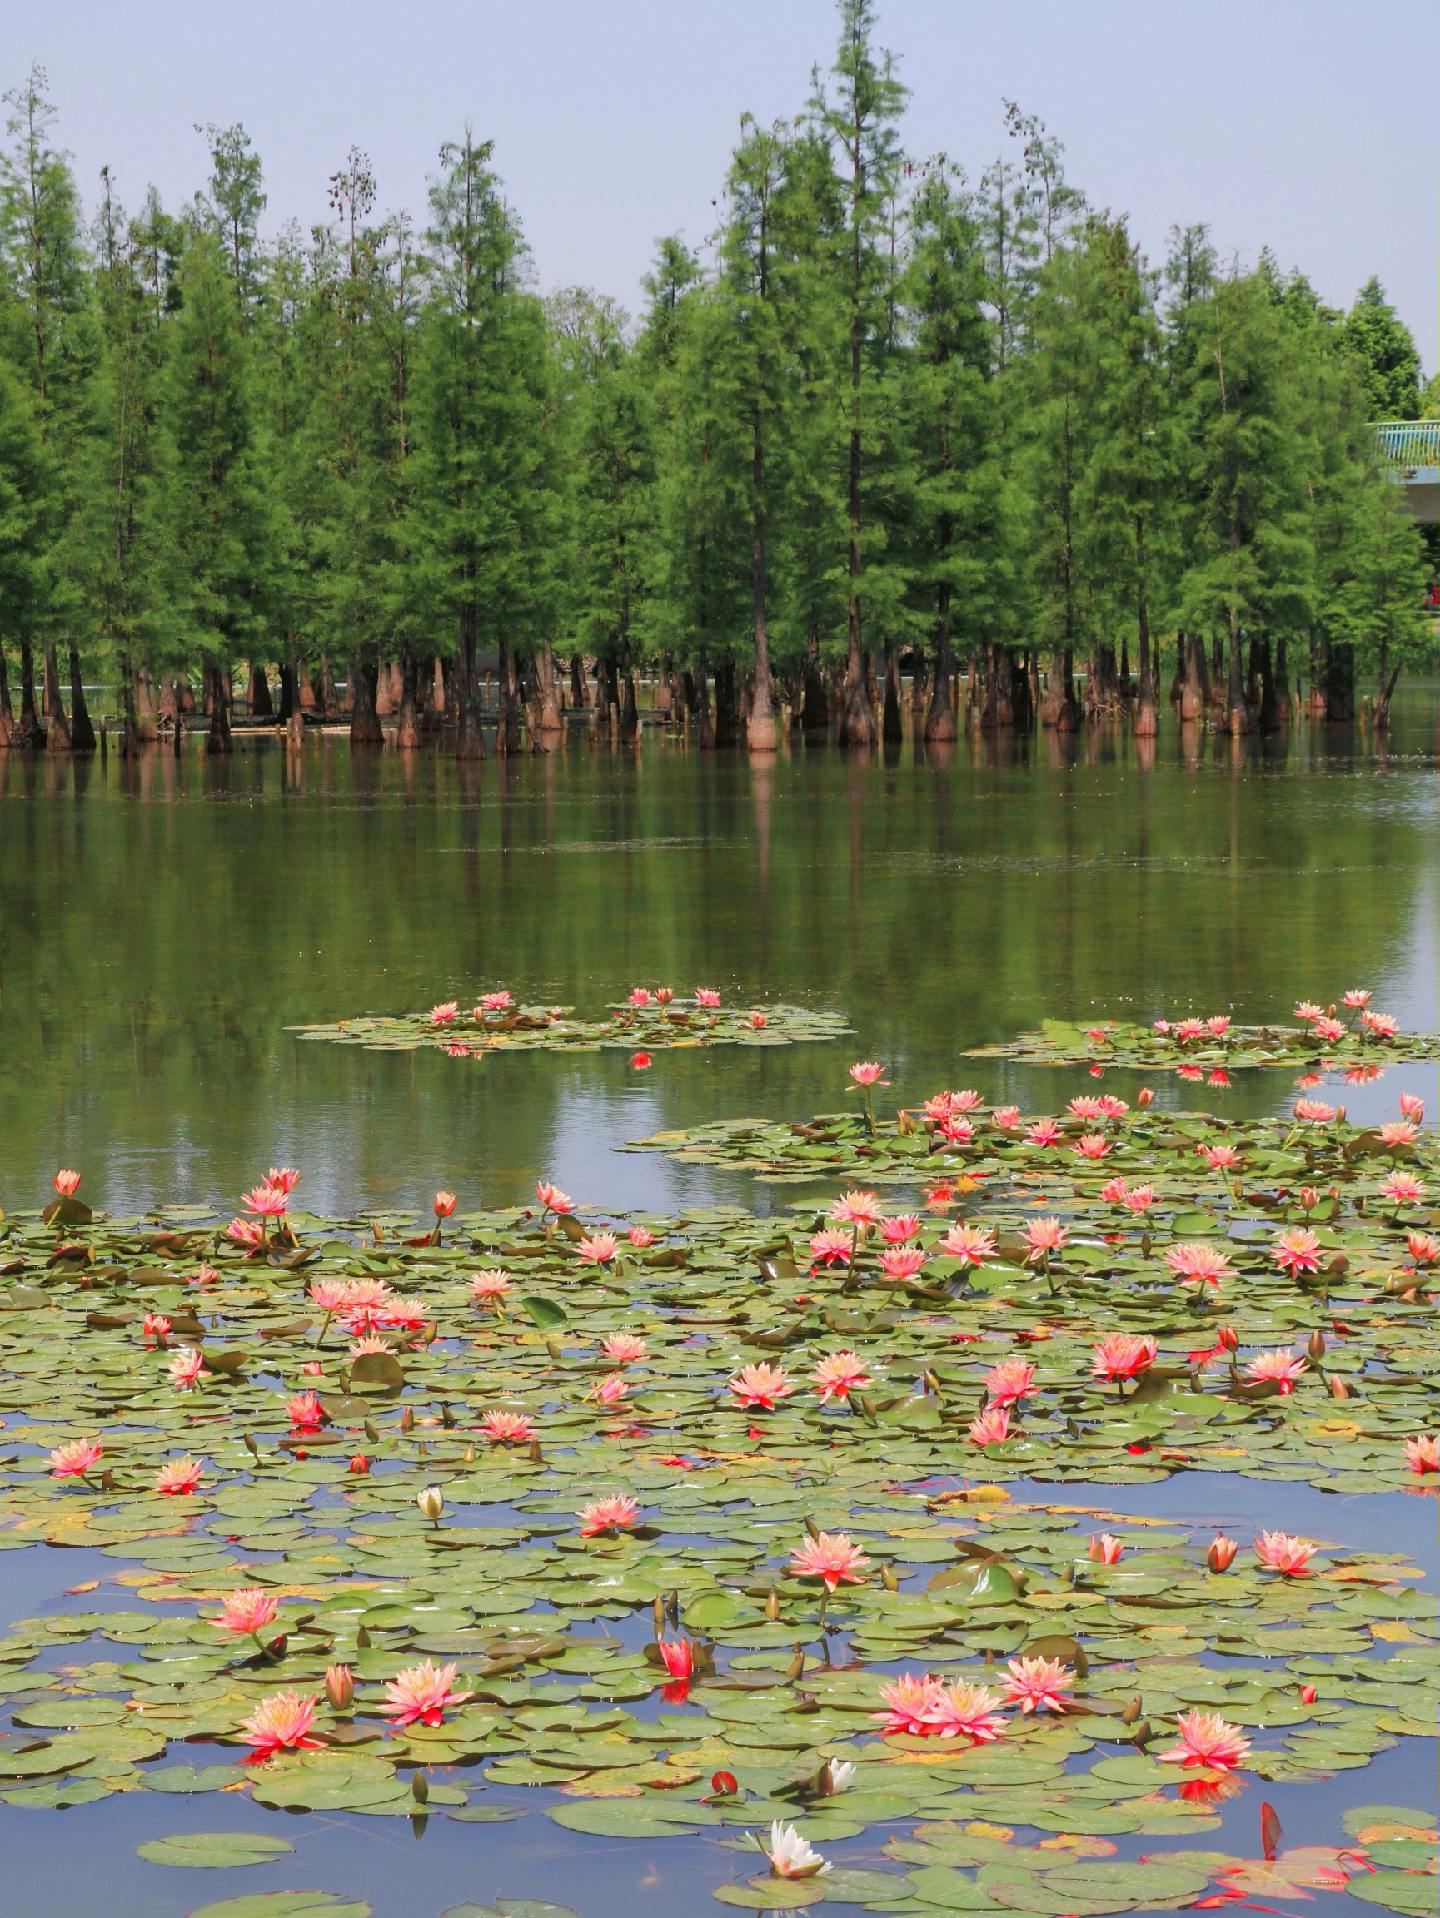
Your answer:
<point x="649" y="1018"/>
<point x="1349" y="1032"/>
<point x="761" y="1528"/>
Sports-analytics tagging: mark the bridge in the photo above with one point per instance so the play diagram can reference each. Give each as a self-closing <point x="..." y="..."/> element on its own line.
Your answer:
<point x="1410" y="450"/>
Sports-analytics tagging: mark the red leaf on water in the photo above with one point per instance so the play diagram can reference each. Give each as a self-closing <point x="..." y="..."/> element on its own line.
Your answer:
<point x="1270" y="1832"/>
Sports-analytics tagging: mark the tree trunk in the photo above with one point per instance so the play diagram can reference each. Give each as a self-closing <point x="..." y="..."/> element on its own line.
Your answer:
<point x="1269" y="705"/>
<point x="365" y="727"/>
<point x="407" y="732"/>
<point x="217" y="702"/>
<point x="31" y="731"/>
<point x="8" y="729"/>
<point x="815" y="711"/>
<point x="57" y="727"/>
<point x="1238" y="716"/>
<point x="940" y="720"/>
<point x="507" y="727"/>
<point x="701" y="717"/>
<point x="727" y="718"/>
<point x="82" y="732"/>
<point x="1340" y="682"/>
<point x="470" y="741"/>
<point x="129" y="725"/>
<point x="548" y="719"/>
<point x="260" y="704"/>
<point x="891" y="725"/>
<point x="1058" y="708"/>
<point x="1283" y="705"/>
<point x="1147" y="720"/>
<point x="579" y="686"/>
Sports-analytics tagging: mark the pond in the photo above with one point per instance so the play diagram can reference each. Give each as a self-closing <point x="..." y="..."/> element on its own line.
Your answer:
<point x="162" y="925"/>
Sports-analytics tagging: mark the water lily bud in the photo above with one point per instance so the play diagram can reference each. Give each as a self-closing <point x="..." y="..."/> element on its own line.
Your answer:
<point x="534" y="1454"/>
<point x="250" y="1446"/>
<point x="468" y="1455"/>
<point x="795" y="1667"/>
<point x="1131" y="1713"/>
<point x="431" y="1501"/>
<point x="419" y="1789"/>
<point x="1316" y="1345"/>
<point x="372" y="1431"/>
<point x="1142" y="1733"/>
<point x="932" y="1383"/>
<point x="1228" y="1338"/>
<point x="1307" y="1694"/>
<point x="1145" y="1096"/>
<point x="339" y="1686"/>
<point x="359" y="1463"/>
<point x="362" y="1638"/>
<point x="812" y="1528"/>
<point x="407" y="1420"/>
<point x="1220" y="1555"/>
<point x="657" y="1611"/>
<point x="772" y="1604"/>
<point x="1338" y="1388"/>
<point x="888" y="1579"/>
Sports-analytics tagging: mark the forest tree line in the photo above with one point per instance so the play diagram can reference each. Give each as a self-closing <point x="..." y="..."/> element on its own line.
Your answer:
<point x="895" y="434"/>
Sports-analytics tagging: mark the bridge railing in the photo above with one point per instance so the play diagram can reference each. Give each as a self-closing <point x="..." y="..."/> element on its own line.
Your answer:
<point x="1409" y="442"/>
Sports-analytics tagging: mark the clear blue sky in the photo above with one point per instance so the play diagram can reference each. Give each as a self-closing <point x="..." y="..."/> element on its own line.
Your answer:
<point x="1310" y="125"/>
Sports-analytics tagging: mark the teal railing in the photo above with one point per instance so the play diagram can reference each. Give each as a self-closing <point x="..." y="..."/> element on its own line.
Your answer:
<point x="1409" y="442"/>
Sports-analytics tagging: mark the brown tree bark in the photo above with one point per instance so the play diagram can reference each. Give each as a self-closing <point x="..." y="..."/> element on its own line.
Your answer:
<point x="365" y="727"/>
<point x="470" y="739"/>
<point x="407" y="733"/>
<point x="217" y="702"/>
<point x="57" y="726"/>
<point x="258" y="699"/>
<point x="82" y="731"/>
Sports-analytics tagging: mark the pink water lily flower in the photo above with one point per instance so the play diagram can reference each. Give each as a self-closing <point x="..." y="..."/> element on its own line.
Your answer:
<point x="305" y="1412"/>
<point x="1219" y="1158"/>
<point x="1044" y="1237"/>
<point x="247" y="1612"/>
<point x="443" y="1204"/>
<point x="1106" y="1549"/>
<point x="991" y="1427"/>
<point x="66" y="1182"/>
<point x="623" y="1348"/>
<point x="1282" y="1552"/>
<point x="860" y="1209"/>
<point x="1010" y="1381"/>
<point x="187" y="1368"/>
<point x="970" y="1244"/>
<point x="641" y="1237"/>
<point x="442" y="1014"/>
<point x="268" y="1201"/>
<point x="901" y="1261"/>
<point x="1280" y="1367"/>
<point x="1412" y="1107"/>
<point x="1423" y="1247"/>
<point x="179" y="1478"/>
<point x="1398" y="1132"/>
<point x="830" y="1247"/>
<point x="900" y="1228"/>
<point x="639" y="996"/>
<point x="1313" y="1111"/>
<point x="832" y="1557"/>
<point x="1206" y="1739"/>
<point x="1379" y="1025"/>
<point x="1296" y="1250"/>
<point x="496" y="1002"/>
<point x="1403" y="1188"/>
<point x="1039" y="1684"/>
<point x="1422" y="1453"/>
<point x="75" y="1458"/>
<point x="1044" y="1132"/>
<point x="1139" y="1198"/>
<point x="1006" y="1118"/>
<point x="597" y="1248"/>
<point x="1123" y="1355"/>
<point x="707" y="996"/>
<point x="1091" y="1145"/>
<point x="616" y="1513"/>
<point x="1195" y="1263"/>
<point x="248" y="1233"/>
<point x="552" y="1199"/>
<point x="282" y="1722"/>
<point x="1220" y="1553"/>
<point x="487" y="1287"/>
<point x="838" y="1375"/>
<point x="909" y="1703"/>
<point x="609" y="1390"/>
<point x="761" y="1385"/>
<point x="506" y="1428"/>
<point x="421" y="1694"/>
<point x="968" y="1711"/>
<point x="866" y="1072"/>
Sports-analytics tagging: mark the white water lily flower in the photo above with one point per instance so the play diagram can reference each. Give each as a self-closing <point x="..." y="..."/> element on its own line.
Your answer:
<point x="790" y="1855"/>
<point x="839" y="1772"/>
